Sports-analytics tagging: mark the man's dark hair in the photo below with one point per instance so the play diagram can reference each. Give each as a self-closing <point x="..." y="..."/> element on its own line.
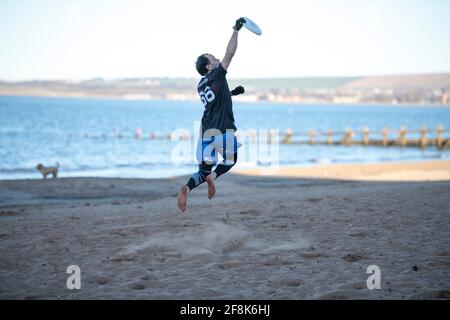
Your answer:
<point x="201" y="63"/>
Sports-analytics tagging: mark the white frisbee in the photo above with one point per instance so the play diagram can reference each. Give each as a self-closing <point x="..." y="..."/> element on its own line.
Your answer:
<point x="253" y="27"/>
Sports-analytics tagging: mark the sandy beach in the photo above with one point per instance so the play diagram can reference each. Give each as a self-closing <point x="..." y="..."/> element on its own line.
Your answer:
<point x="300" y="233"/>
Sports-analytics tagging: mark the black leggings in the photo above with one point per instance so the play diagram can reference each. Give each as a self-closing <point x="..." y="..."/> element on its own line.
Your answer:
<point x="204" y="170"/>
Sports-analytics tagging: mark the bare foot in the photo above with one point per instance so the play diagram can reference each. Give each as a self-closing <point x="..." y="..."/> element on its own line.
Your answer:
<point x="211" y="186"/>
<point x="182" y="198"/>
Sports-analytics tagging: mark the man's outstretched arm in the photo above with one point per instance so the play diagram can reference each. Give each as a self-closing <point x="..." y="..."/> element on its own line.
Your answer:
<point x="232" y="44"/>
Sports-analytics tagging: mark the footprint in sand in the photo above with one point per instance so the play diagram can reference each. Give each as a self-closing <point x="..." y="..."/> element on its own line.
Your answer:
<point x="250" y="212"/>
<point x="360" y="285"/>
<point x="99" y="279"/>
<point x="437" y="294"/>
<point x="341" y="295"/>
<point x="358" y="235"/>
<point x="145" y="284"/>
<point x="8" y="213"/>
<point x="354" y="257"/>
<point x="233" y="244"/>
<point x="138" y="286"/>
<point x="311" y="255"/>
<point x="314" y="200"/>
<point x="124" y="257"/>
<point x="287" y="282"/>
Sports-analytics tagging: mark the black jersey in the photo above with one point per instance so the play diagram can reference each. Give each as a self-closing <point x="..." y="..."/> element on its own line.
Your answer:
<point x="216" y="97"/>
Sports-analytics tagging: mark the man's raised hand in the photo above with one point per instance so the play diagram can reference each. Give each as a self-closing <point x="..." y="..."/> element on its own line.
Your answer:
<point x="239" y="24"/>
<point x="237" y="91"/>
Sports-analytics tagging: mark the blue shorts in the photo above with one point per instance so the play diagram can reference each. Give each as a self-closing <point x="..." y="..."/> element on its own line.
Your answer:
<point x="225" y="144"/>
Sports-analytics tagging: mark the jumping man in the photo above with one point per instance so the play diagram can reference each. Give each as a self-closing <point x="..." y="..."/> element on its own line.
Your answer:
<point x="217" y="125"/>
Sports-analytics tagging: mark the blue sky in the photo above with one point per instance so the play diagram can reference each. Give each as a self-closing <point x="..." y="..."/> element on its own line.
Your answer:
<point x="47" y="39"/>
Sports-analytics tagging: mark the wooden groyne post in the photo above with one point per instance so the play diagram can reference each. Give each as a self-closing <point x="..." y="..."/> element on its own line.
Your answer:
<point x="288" y="136"/>
<point x="440" y="139"/>
<point x="347" y="136"/>
<point x="312" y="134"/>
<point x="385" y="136"/>
<point x="366" y="136"/>
<point x="423" y="137"/>
<point x="402" y="136"/>
<point x="329" y="136"/>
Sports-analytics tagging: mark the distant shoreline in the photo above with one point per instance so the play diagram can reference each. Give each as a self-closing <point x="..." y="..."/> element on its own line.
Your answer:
<point x="422" y="89"/>
<point x="362" y="104"/>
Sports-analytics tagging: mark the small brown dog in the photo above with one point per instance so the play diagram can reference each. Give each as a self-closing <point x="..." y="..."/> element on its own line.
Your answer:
<point x="48" y="170"/>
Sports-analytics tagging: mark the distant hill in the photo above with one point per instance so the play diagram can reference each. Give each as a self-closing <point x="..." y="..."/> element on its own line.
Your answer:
<point x="394" y="89"/>
<point x="423" y="81"/>
<point x="296" y="83"/>
<point x="98" y="87"/>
